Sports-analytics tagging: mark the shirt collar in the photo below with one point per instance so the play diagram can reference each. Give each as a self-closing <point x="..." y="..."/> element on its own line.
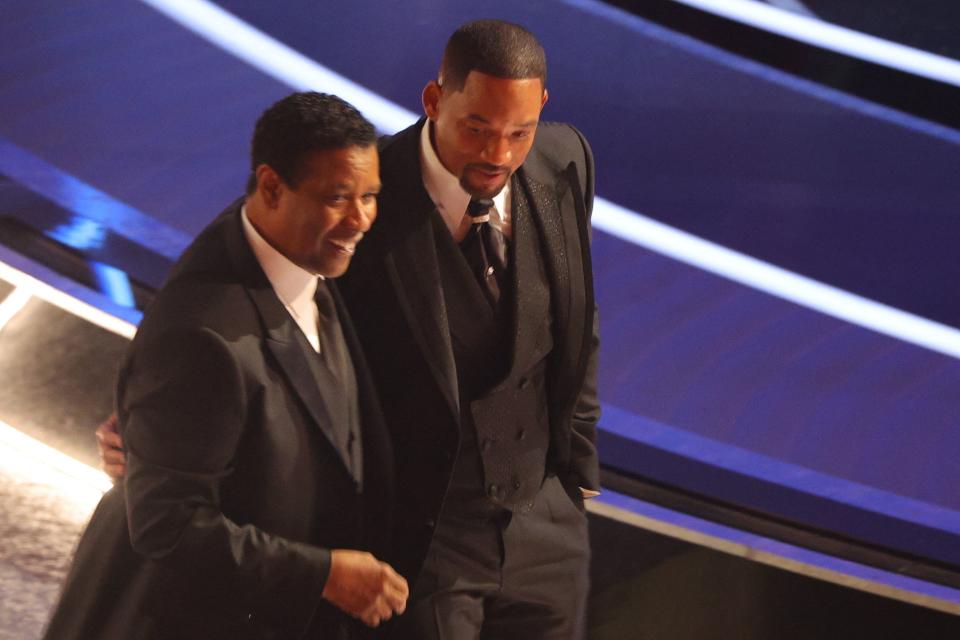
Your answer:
<point x="294" y="285"/>
<point x="444" y="188"/>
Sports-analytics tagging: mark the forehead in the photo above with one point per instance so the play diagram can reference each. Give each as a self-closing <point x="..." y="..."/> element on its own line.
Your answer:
<point x="492" y="97"/>
<point x="347" y="165"/>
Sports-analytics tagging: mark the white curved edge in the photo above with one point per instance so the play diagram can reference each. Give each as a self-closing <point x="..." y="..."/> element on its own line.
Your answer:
<point x="834" y="37"/>
<point x="26" y="285"/>
<point x="757" y="274"/>
<point x="279" y="61"/>
<point x="774" y="553"/>
<point x="28" y="459"/>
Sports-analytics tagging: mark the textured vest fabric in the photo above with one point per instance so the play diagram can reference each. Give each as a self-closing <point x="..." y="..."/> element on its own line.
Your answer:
<point x="505" y="430"/>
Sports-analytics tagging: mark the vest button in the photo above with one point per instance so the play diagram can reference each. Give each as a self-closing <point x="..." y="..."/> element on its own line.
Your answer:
<point x="493" y="490"/>
<point x="524" y="382"/>
<point x="521" y="434"/>
<point x="487" y="444"/>
<point x="516" y="484"/>
<point x="431" y="523"/>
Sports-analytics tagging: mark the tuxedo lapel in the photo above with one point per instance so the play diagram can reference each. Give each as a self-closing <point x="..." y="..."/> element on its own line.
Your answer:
<point x="553" y="209"/>
<point x="531" y="311"/>
<point x="282" y="339"/>
<point x="406" y="216"/>
<point x="415" y="274"/>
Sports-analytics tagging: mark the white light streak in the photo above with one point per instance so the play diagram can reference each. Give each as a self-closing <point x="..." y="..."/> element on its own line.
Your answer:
<point x="29" y="460"/>
<point x="31" y="286"/>
<point x="690" y="249"/>
<point x="281" y="62"/>
<point x="12" y="304"/>
<point x="835" y="38"/>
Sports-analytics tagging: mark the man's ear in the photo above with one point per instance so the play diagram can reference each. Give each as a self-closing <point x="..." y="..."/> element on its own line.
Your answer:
<point x="269" y="185"/>
<point x="431" y="99"/>
<point x="544" y="101"/>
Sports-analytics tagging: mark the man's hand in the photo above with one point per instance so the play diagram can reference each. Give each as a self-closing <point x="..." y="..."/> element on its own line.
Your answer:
<point x="365" y="587"/>
<point x="110" y="444"/>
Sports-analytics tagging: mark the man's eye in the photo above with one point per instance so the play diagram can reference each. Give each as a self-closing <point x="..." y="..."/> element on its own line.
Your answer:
<point x="337" y="199"/>
<point x="520" y="135"/>
<point x="475" y="130"/>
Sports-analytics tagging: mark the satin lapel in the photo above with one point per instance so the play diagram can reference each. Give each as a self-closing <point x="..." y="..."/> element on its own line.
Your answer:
<point x="530" y="310"/>
<point x="415" y="274"/>
<point x="406" y="213"/>
<point x="280" y="334"/>
<point x="554" y="211"/>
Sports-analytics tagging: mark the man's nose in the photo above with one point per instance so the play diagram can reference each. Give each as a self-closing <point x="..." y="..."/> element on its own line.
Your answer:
<point x="361" y="216"/>
<point x="497" y="150"/>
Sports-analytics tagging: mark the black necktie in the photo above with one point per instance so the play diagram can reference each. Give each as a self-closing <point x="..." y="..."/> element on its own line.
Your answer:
<point x="485" y="249"/>
<point x="332" y="348"/>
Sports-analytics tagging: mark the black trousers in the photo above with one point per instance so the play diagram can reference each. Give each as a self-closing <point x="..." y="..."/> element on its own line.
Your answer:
<point x="520" y="575"/>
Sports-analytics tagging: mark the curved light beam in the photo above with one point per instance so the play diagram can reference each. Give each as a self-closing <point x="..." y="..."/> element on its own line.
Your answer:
<point x="835" y="38"/>
<point x="283" y="63"/>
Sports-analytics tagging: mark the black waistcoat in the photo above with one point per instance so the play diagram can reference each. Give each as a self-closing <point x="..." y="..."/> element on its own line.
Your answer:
<point x="343" y="407"/>
<point x="504" y="417"/>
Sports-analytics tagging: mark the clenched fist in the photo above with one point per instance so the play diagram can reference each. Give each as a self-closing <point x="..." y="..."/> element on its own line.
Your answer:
<point x="365" y="587"/>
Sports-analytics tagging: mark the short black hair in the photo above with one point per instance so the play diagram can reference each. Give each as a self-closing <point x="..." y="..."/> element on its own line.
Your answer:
<point x="494" y="47"/>
<point x="300" y="124"/>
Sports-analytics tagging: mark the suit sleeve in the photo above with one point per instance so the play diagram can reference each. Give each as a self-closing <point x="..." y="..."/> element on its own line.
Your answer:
<point x="182" y="405"/>
<point x="586" y="412"/>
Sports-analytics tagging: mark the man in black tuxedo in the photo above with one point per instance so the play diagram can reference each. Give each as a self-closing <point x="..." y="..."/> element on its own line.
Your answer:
<point x="257" y="466"/>
<point x="482" y="340"/>
<point x="481" y="334"/>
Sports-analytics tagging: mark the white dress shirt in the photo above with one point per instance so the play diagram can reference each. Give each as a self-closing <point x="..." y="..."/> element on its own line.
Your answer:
<point x="294" y="285"/>
<point x="444" y="189"/>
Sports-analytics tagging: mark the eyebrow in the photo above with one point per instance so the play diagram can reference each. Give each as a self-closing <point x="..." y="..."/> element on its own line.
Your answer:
<point x="479" y="118"/>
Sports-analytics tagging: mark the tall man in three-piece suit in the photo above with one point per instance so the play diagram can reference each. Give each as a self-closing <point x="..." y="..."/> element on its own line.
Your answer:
<point x="486" y="369"/>
<point x="259" y="486"/>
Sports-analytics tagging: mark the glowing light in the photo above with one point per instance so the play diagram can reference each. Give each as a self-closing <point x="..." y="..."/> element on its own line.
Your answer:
<point x="287" y="65"/>
<point x="32" y="286"/>
<point x="280" y="61"/>
<point x="31" y="461"/>
<point x="12" y="304"/>
<point x="114" y="283"/>
<point x="835" y="38"/>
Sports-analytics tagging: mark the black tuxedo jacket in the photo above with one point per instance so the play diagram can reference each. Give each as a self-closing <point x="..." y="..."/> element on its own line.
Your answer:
<point x="235" y="492"/>
<point x="394" y="293"/>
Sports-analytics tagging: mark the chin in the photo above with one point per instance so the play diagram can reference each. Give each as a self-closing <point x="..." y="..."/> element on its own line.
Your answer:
<point x="483" y="190"/>
<point x="333" y="268"/>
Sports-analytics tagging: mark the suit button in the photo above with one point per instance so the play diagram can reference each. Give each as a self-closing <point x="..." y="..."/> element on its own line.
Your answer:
<point x="516" y="484"/>
<point x="524" y="383"/>
<point x="522" y="434"/>
<point x="493" y="490"/>
<point x="487" y="444"/>
<point x="431" y="523"/>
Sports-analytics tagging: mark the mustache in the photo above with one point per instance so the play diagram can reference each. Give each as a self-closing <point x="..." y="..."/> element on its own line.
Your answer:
<point x="489" y="168"/>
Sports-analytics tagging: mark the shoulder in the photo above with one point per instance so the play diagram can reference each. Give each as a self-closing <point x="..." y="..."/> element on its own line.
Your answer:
<point x="555" y="147"/>
<point x="560" y="143"/>
<point x="206" y="287"/>
<point x="398" y="146"/>
<point x="558" y="147"/>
